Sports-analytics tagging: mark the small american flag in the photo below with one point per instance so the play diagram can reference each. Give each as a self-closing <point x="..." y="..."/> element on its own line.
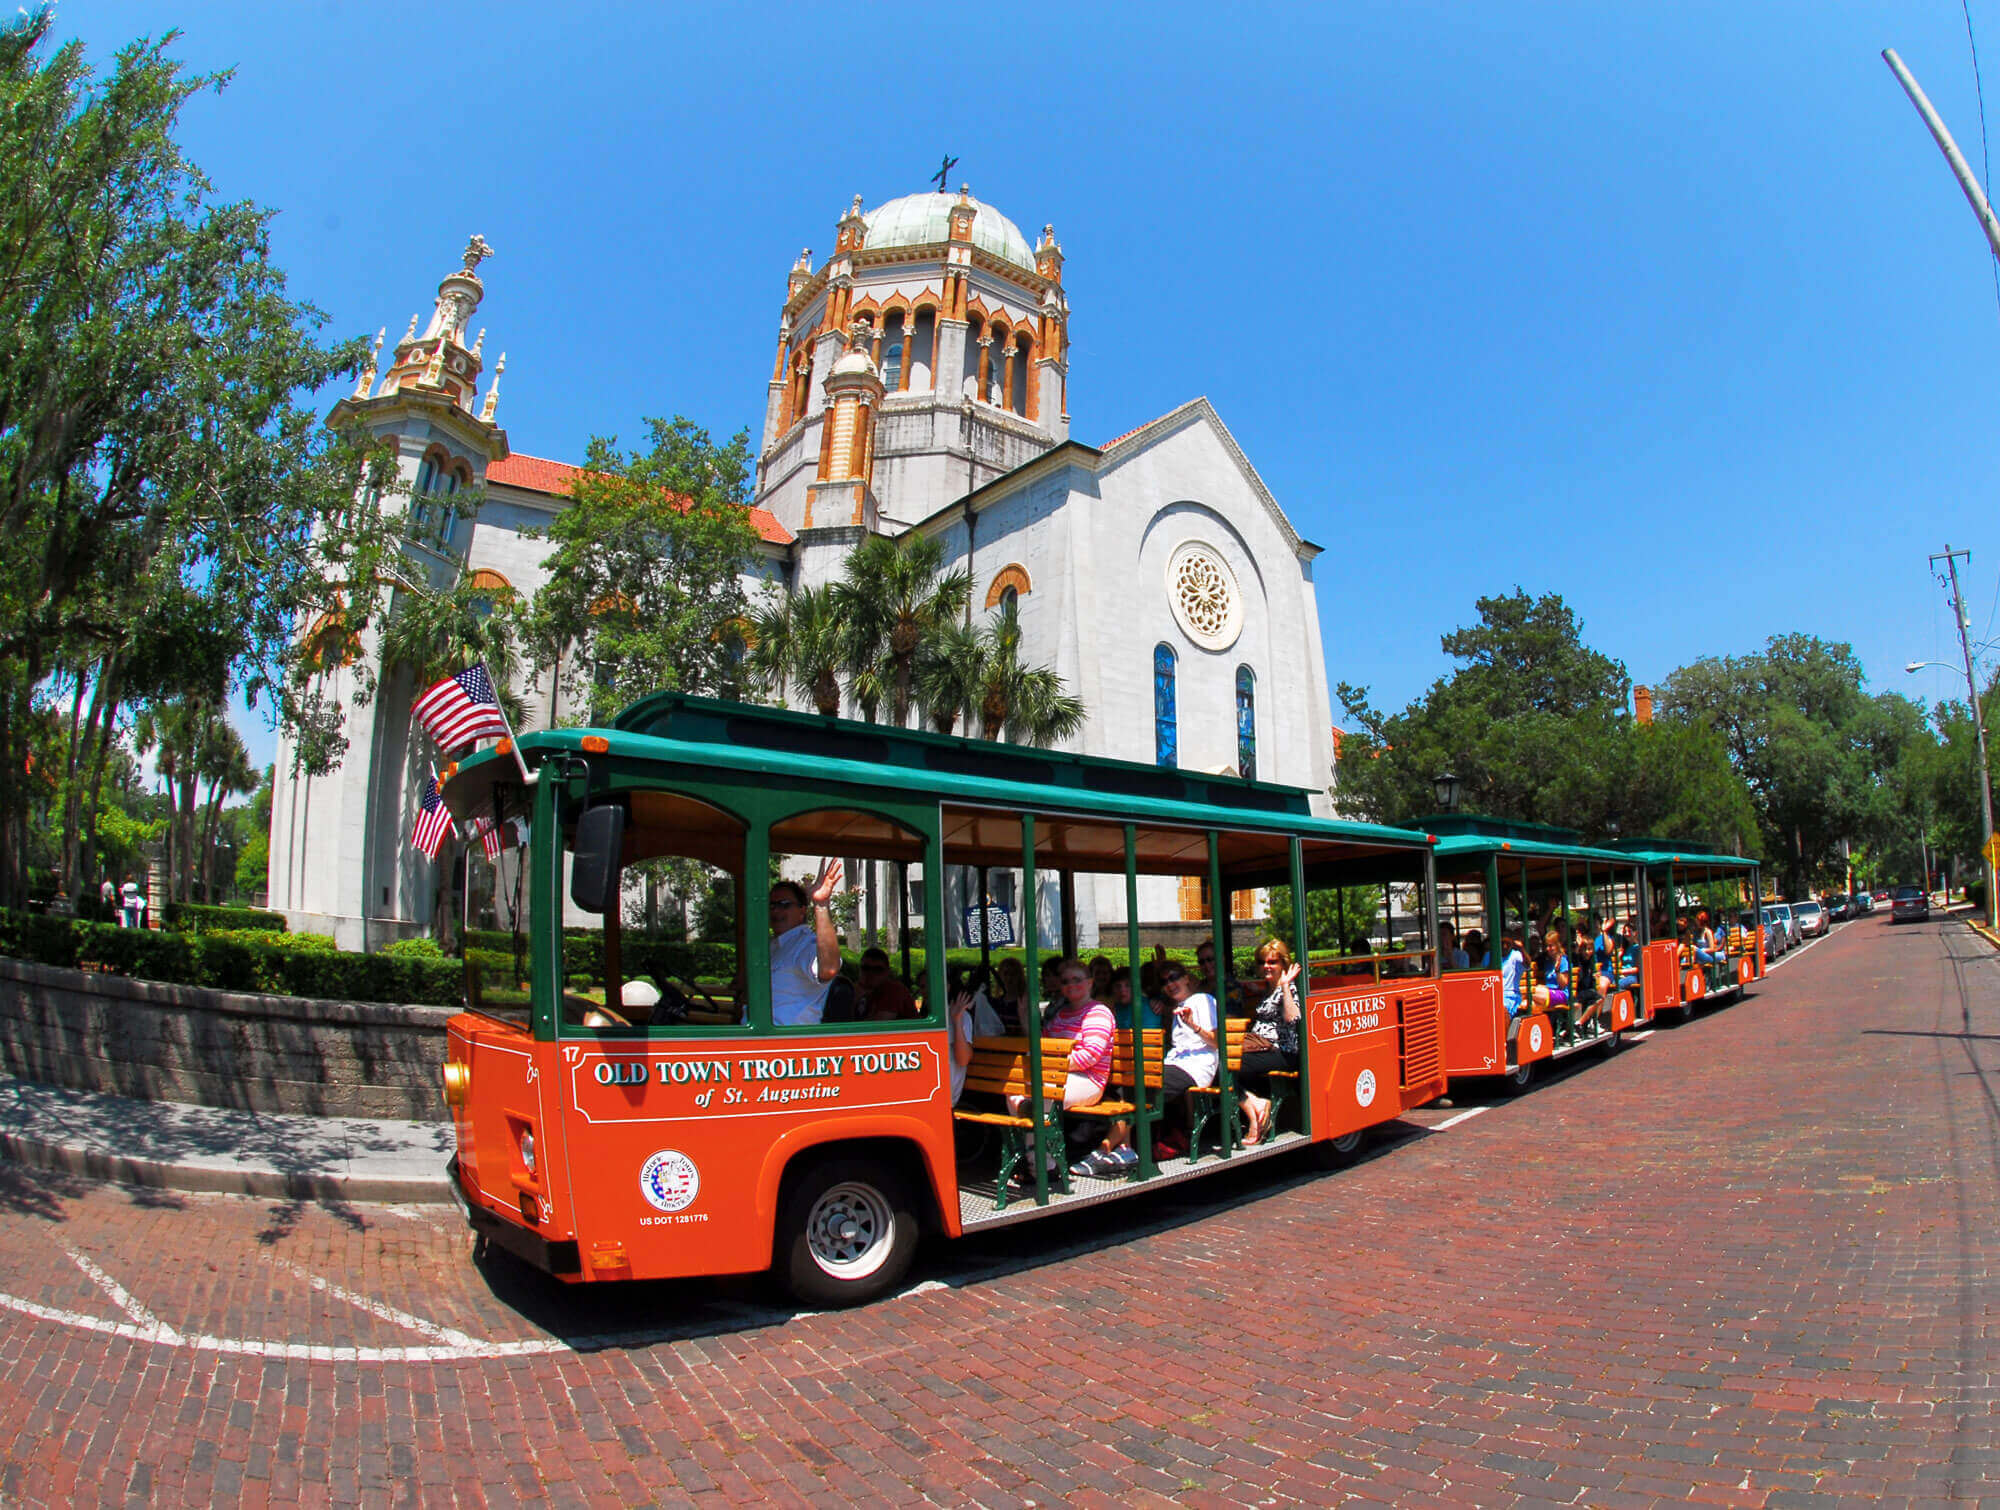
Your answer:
<point x="492" y="838"/>
<point x="433" y="820"/>
<point x="462" y="708"/>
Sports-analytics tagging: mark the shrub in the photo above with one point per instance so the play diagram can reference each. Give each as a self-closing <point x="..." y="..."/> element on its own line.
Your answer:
<point x="233" y="960"/>
<point x="193" y="917"/>
<point x="415" y="948"/>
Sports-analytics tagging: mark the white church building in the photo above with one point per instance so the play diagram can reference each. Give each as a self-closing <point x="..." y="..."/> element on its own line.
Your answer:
<point x="920" y="383"/>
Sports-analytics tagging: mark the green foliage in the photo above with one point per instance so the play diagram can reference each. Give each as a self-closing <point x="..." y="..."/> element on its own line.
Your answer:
<point x="171" y="509"/>
<point x="1335" y="916"/>
<point x="1533" y="724"/>
<point x="414" y="948"/>
<point x="243" y="960"/>
<point x="645" y="575"/>
<point x="192" y="917"/>
<point x="1824" y="761"/>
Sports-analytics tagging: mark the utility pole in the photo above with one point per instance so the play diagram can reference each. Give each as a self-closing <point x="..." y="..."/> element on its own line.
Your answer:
<point x="1950" y="559"/>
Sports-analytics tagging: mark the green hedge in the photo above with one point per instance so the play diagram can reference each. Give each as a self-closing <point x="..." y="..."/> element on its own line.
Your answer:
<point x="193" y="917"/>
<point x="235" y="960"/>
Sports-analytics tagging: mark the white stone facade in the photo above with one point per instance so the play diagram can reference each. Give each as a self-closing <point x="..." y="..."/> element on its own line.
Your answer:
<point x="1097" y="546"/>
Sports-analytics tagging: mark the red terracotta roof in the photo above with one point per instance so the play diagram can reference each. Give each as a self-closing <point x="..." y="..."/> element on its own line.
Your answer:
<point x="537" y="474"/>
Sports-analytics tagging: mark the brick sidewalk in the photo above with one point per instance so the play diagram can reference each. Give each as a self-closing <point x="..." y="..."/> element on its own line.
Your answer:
<point x="1745" y="1262"/>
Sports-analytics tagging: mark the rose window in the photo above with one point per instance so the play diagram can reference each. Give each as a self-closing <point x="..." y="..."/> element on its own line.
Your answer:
<point x="1203" y="592"/>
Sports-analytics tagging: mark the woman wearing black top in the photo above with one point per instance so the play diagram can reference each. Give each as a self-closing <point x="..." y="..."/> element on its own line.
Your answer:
<point x="1272" y="1040"/>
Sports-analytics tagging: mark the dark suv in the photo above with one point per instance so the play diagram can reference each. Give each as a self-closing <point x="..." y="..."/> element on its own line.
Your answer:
<point x="1910" y="904"/>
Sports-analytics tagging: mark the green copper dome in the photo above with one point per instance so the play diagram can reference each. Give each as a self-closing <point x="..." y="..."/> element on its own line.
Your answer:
<point x="920" y="219"/>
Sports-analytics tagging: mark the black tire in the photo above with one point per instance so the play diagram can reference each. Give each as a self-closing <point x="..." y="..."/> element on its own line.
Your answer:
<point x="1613" y="1042"/>
<point x="1338" y="1153"/>
<point x="1518" y="1080"/>
<point x="847" y="1233"/>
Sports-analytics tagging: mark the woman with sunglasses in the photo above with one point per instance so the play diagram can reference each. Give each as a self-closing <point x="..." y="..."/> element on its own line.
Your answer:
<point x="1190" y="1059"/>
<point x="1272" y="1041"/>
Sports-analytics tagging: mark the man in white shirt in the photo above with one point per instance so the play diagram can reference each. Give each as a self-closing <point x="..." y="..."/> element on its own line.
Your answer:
<point x="805" y="952"/>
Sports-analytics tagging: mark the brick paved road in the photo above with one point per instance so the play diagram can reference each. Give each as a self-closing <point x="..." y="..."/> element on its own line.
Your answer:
<point x="1746" y="1261"/>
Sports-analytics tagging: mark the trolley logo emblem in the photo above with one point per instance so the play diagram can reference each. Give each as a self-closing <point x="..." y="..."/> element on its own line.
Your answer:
<point x="669" y="1180"/>
<point x="1364" y="1088"/>
<point x="1534" y="1038"/>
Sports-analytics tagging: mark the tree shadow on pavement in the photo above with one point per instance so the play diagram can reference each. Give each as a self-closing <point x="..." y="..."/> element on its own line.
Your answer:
<point x="25" y="1191"/>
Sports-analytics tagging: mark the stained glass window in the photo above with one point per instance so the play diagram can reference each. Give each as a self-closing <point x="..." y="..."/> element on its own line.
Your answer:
<point x="1166" y="732"/>
<point x="1246" y="723"/>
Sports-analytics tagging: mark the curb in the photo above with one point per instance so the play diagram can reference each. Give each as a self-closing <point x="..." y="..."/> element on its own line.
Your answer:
<point x="160" y="1174"/>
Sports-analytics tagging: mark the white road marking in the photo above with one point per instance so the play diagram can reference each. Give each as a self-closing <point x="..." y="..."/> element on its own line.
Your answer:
<point x="450" y="1336"/>
<point x="1462" y="1116"/>
<point x="123" y="1299"/>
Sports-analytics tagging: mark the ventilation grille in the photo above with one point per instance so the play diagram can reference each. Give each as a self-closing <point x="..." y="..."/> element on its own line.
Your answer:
<point x="1419" y="1039"/>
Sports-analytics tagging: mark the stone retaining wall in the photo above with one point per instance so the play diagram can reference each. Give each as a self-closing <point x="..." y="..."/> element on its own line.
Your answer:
<point x="97" y="1032"/>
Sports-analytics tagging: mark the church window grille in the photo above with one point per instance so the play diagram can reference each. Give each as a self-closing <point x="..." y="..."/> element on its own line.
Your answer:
<point x="1166" y="727"/>
<point x="1246" y="723"/>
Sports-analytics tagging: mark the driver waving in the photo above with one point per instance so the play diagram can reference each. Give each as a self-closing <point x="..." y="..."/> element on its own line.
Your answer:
<point x="805" y="952"/>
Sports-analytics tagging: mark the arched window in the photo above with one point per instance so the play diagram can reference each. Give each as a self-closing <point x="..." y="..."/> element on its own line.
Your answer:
<point x="1246" y="723"/>
<point x="1166" y="726"/>
<point x="1010" y="599"/>
<point x="892" y="351"/>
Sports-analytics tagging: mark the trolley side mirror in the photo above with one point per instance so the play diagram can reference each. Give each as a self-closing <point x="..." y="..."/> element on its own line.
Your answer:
<point x="597" y="857"/>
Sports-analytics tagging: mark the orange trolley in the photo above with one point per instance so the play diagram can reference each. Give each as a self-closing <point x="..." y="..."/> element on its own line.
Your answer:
<point x="633" y="1099"/>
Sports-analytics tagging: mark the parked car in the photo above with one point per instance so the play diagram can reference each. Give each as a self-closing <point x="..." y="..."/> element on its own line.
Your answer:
<point x="1839" y="907"/>
<point x="1782" y="912"/>
<point x="1777" y="937"/>
<point x="1811" y="918"/>
<point x="1879" y="894"/>
<point x="1910" y="904"/>
<point x="1864" y="901"/>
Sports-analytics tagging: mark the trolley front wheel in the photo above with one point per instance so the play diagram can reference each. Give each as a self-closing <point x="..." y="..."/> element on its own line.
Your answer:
<point x="1517" y="1080"/>
<point x="846" y="1234"/>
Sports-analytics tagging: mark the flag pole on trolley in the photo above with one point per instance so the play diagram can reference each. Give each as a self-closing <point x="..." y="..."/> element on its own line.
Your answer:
<point x="459" y="709"/>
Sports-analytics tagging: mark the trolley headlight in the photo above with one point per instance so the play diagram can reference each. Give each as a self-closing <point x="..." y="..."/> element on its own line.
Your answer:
<point x="457" y="1082"/>
<point x="528" y="1150"/>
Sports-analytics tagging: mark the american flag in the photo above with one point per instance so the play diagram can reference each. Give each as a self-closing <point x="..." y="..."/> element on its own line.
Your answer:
<point x="462" y="708"/>
<point x="491" y="837"/>
<point x="433" y="820"/>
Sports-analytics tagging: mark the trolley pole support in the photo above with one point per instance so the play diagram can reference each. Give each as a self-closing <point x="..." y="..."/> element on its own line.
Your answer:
<point x="1950" y="559"/>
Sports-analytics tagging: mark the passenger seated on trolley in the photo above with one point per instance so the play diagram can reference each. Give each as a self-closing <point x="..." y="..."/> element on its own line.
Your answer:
<point x="1628" y="958"/>
<point x="1190" y="1058"/>
<point x="1450" y="956"/>
<point x="1122" y="1004"/>
<point x="1705" y="946"/>
<point x="1475" y="950"/>
<point x="1272" y="1039"/>
<point x="1087" y="1023"/>
<point x="1552" y="988"/>
<point x="884" y="997"/>
<point x="1604" y="954"/>
<point x="1584" y="978"/>
<point x="1513" y="968"/>
<point x="970" y="1016"/>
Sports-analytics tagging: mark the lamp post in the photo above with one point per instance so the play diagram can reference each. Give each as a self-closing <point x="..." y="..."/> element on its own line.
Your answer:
<point x="1979" y="728"/>
<point x="1446" y="785"/>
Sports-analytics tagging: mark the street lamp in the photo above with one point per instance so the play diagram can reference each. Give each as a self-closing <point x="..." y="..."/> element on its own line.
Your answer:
<point x="1446" y="786"/>
<point x="1985" y="780"/>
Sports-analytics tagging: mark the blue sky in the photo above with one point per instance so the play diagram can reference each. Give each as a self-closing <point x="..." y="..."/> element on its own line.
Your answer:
<point x="1675" y="310"/>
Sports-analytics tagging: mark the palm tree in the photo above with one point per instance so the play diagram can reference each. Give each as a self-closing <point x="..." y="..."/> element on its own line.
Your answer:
<point x="891" y="598"/>
<point x="225" y="766"/>
<point x="945" y="680"/>
<point x="433" y="634"/>
<point x="801" y="642"/>
<point x="1021" y="704"/>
